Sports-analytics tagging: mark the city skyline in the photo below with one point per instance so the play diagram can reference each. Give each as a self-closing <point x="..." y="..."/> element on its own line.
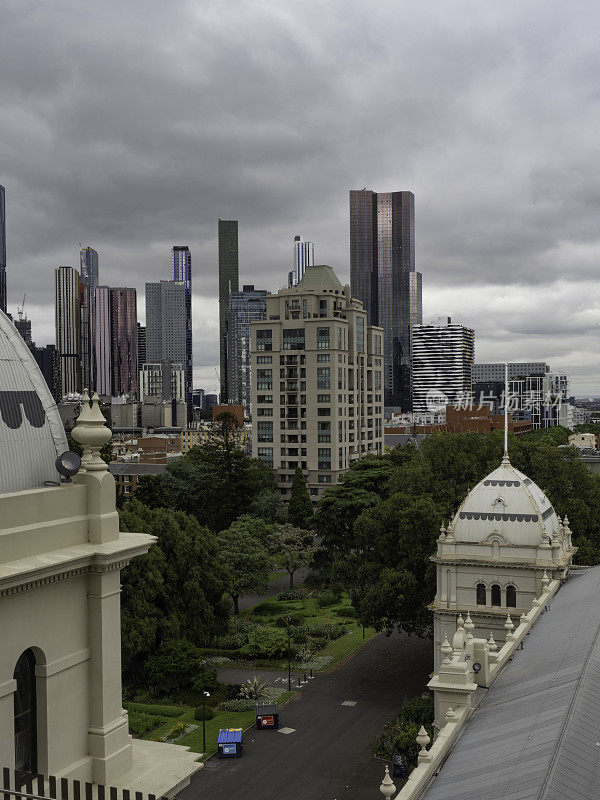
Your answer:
<point x="483" y="149"/>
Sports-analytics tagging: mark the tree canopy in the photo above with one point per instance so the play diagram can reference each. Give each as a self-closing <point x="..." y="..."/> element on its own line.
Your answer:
<point x="243" y="558"/>
<point x="300" y="508"/>
<point x="175" y="591"/>
<point x="292" y="548"/>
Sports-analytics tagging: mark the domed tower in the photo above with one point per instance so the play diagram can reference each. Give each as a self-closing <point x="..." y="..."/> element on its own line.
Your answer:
<point x="492" y="557"/>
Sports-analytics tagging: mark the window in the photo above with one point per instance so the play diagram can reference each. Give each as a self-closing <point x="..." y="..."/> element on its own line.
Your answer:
<point x="340" y="378"/>
<point x="264" y="398"/>
<point x="377" y="380"/>
<point x="323" y="338"/>
<point x="324" y="478"/>
<point x="264" y="340"/>
<point x="322" y="358"/>
<point x="322" y="377"/>
<point x="511" y="597"/>
<point x="324" y="431"/>
<point x="496" y="595"/>
<point x="360" y="334"/>
<point x="295" y="304"/>
<point x="377" y="344"/>
<point x="323" y="398"/>
<point x="481" y="594"/>
<point x="304" y="310"/>
<point x="339" y="330"/>
<point x="264" y="359"/>
<point x="293" y="339"/>
<point x="265" y="454"/>
<point x="324" y="454"/>
<point x="322" y="308"/>
<point x="265" y="431"/>
<point x="264" y="412"/>
<point x="264" y="378"/>
<point x="323" y="412"/>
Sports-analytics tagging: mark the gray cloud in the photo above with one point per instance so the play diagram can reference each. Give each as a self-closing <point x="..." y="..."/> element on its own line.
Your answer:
<point x="135" y="126"/>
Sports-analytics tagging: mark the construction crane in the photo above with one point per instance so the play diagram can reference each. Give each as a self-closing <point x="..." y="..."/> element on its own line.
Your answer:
<point x="21" y="308"/>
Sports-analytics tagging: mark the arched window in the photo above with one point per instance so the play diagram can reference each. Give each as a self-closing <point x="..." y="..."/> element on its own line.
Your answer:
<point x="481" y="594"/>
<point x="496" y="595"/>
<point x="511" y="597"/>
<point x="25" y="714"/>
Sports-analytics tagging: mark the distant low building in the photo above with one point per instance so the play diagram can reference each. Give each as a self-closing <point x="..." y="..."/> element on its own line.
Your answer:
<point x="128" y="474"/>
<point x="202" y="432"/>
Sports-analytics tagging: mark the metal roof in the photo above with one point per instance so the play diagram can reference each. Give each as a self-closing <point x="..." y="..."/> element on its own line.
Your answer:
<point x="536" y="734"/>
<point x="31" y="431"/>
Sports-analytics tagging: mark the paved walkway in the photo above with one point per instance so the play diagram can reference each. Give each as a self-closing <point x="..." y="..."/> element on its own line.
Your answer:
<point x="275" y="586"/>
<point x="325" y="753"/>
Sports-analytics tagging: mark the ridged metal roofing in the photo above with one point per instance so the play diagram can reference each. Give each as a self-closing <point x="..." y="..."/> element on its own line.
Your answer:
<point x="536" y="735"/>
<point x="31" y="432"/>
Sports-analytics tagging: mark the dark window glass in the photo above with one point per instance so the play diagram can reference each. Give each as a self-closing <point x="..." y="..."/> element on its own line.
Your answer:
<point x="511" y="597"/>
<point x="496" y="595"/>
<point x="481" y="594"/>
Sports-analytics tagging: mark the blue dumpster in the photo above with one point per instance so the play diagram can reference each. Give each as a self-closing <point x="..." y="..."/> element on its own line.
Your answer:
<point x="267" y="715"/>
<point x="229" y="743"/>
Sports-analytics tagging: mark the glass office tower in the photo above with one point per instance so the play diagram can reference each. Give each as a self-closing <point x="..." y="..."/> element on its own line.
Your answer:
<point x="228" y="282"/>
<point x="182" y="273"/>
<point x="382" y="276"/>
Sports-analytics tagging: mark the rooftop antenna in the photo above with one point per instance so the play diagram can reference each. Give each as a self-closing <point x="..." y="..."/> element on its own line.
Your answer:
<point x="505" y="410"/>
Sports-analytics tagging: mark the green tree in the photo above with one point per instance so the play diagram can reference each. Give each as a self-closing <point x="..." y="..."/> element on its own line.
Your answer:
<point x="151" y="492"/>
<point x="175" y="591"/>
<point x="216" y="482"/>
<point x="300" y="508"/>
<point x="292" y="548"/>
<point x="174" y="667"/>
<point x="244" y="560"/>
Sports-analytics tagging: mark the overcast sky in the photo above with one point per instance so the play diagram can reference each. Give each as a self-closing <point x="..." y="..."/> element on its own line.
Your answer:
<point x="135" y="126"/>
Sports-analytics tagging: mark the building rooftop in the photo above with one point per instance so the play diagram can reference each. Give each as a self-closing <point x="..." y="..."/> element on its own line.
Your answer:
<point x="320" y="276"/>
<point x="535" y="735"/>
<point x="31" y="432"/>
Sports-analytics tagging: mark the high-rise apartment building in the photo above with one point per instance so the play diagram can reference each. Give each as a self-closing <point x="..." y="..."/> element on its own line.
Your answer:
<point x="88" y="275"/>
<point x="23" y="325"/>
<point x="123" y="313"/>
<point x="228" y="282"/>
<point x="164" y="381"/>
<point x="67" y="289"/>
<point x="382" y="276"/>
<point x="317" y="382"/>
<point x="483" y="373"/>
<point x="245" y="307"/>
<point x="182" y="273"/>
<point x="2" y="250"/>
<point x="442" y="361"/>
<point x="304" y="256"/>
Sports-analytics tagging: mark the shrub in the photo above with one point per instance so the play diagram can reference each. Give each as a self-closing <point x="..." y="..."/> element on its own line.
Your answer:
<point x="174" y="667"/>
<point x="254" y="688"/>
<point x="327" y="631"/>
<point x="326" y="599"/>
<point x="206" y="680"/>
<point x="399" y="737"/>
<point x="147" y="708"/>
<point x="209" y="713"/>
<point x="266" y="642"/>
<point x="295" y="618"/>
<point x="232" y="691"/>
<point x="348" y="612"/>
<point x="140" y="724"/>
<point x="238" y="705"/>
<point x="292" y="594"/>
<point x="268" y="608"/>
<point x="241" y="625"/>
<point x="177" y="731"/>
<point x="232" y="641"/>
<point x="217" y="651"/>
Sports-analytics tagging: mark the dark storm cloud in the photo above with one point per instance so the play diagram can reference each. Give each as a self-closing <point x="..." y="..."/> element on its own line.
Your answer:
<point x="135" y="126"/>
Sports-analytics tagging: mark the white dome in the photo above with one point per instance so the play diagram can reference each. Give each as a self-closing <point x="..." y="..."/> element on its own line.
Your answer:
<point x="508" y="503"/>
<point x="31" y="431"/>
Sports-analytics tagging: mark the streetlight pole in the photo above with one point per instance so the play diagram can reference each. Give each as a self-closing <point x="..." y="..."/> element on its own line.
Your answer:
<point x="203" y="665"/>
<point x="288" y="622"/>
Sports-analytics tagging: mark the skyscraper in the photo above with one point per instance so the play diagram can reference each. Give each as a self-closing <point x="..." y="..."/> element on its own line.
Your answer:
<point x="68" y="328"/>
<point x="228" y="282"/>
<point x="382" y="276"/>
<point x="141" y="345"/>
<point x="88" y="260"/>
<point x="166" y="324"/>
<point x="2" y="250"/>
<point x="245" y="307"/>
<point x="182" y="273"/>
<point x="304" y="256"/>
<point x="103" y="340"/>
<point x="443" y="354"/>
<point x="123" y="313"/>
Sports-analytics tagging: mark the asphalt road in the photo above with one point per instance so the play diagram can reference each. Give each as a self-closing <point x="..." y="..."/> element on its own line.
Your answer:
<point x="326" y="756"/>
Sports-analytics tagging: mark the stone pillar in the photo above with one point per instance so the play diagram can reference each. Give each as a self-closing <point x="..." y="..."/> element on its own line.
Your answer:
<point x="108" y="736"/>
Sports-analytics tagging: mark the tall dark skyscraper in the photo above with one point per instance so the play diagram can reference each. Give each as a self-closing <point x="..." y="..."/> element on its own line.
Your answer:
<point x="182" y="273"/>
<point x="88" y="275"/>
<point x="2" y="250"/>
<point x="382" y="275"/>
<point x="245" y="307"/>
<point x="123" y="312"/>
<point x="141" y="345"/>
<point x="68" y="328"/>
<point x="228" y="282"/>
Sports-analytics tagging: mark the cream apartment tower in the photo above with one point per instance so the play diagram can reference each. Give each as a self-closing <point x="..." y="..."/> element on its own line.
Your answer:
<point x="317" y="372"/>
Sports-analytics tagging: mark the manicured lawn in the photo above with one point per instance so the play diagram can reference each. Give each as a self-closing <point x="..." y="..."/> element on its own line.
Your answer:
<point x="342" y="647"/>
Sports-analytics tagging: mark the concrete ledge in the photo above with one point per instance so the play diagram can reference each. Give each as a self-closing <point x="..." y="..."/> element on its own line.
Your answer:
<point x="159" y="768"/>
